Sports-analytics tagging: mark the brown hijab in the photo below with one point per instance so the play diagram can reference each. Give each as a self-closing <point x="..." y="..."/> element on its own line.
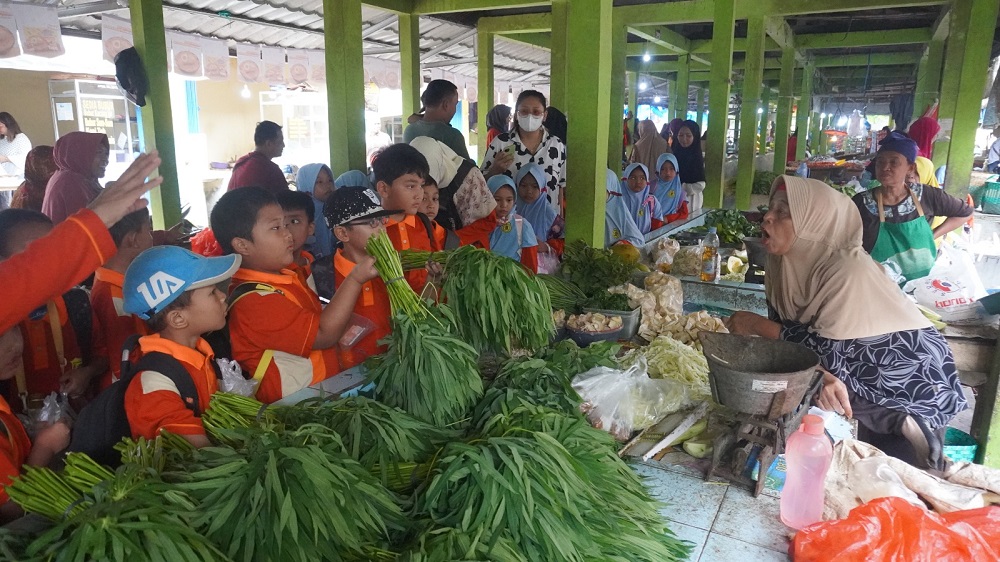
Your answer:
<point x="650" y="146"/>
<point x="826" y="280"/>
<point x="38" y="168"/>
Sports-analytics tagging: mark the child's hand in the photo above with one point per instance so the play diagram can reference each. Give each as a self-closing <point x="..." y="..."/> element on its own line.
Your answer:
<point x="75" y="382"/>
<point x="435" y="273"/>
<point x="364" y="271"/>
<point x="49" y="441"/>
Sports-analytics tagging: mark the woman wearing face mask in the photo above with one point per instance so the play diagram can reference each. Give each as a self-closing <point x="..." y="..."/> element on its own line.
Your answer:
<point x="687" y="150"/>
<point x="529" y="142"/>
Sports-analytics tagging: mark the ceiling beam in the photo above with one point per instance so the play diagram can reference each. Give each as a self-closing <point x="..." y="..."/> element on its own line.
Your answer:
<point x="520" y="23"/>
<point x="855" y="39"/>
<point x="685" y="11"/>
<point x="876" y="59"/>
<point x="453" y="62"/>
<point x="89" y="9"/>
<point x="532" y="74"/>
<point x="540" y="39"/>
<point x="698" y="11"/>
<point x="428" y="7"/>
<point x="397" y="6"/>
<point x="378" y="25"/>
<point x="447" y="44"/>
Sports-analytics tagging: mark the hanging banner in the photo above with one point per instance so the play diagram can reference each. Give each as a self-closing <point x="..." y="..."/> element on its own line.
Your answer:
<point x="317" y="66"/>
<point x="298" y="66"/>
<point x="274" y="64"/>
<point x="9" y="46"/>
<point x="248" y="63"/>
<point x="187" y="55"/>
<point x="116" y="36"/>
<point x="39" y="29"/>
<point x="216" y="55"/>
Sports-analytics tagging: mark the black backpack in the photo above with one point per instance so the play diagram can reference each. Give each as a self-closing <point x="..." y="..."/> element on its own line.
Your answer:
<point x="102" y="423"/>
<point x="219" y="339"/>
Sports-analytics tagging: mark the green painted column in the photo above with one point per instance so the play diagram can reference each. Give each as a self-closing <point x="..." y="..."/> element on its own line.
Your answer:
<point x="409" y="63"/>
<point x="345" y="89"/>
<point x="618" y="40"/>
<point x="700" y="101"/>
<point x="802" y="112"/>
<point x="928" y="77"/>
<point x="765" y="120"/>
<point x="783" y="110"/>
<point x="753" y="77"/>
<point x="157" y="119"/>
<point x="723" y="26"/>
<point x="981" y="20"/>
<point x="683" y="85"/>
<point x="484" y="54"/>
<point x="557" y="81"/>
<point x="589" y="37"/>
<point x="814" y="132"/>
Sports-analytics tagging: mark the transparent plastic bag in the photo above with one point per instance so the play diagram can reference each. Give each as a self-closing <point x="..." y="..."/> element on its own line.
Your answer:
<point x="233" y="380"/>
<point x="663" y="251"/>
<point x="623" y="402"/>
<point x="873" y="478"/>
<point x="356" y="331"/>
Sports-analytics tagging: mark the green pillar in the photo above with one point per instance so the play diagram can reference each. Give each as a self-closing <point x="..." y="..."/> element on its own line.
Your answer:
<point x="484" y="54"/>
<point x="814" y="132"/>
<point x="802" y="112"/>
<point x="976" y="20"/>
<point x="618" y="40"/>
<point x="557" y="80"/>
<point x="700" y="102"/>
<point x="928" y="77"/>
<point x="723" y="26"/>
<point x="683" y="85"/>
<point x="345" y="89"/>
<point x="753" y="77"/>
<point x="589" y="36"/>
<point x="157" y="121"/>
<point x="783" y="110"/>
<point x="672" y="110"/>
<point x="765" y="119"/>
<point x="409" y="63"/>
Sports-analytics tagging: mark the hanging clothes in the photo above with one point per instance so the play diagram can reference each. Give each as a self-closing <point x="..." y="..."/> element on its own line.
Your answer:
<point x="923" y="131"/>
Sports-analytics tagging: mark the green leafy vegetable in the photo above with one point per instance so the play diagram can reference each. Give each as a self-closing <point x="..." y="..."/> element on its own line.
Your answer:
<point x="731" y="225"/>
<point x="562" y="293"/>
<point x="594" y="270"/>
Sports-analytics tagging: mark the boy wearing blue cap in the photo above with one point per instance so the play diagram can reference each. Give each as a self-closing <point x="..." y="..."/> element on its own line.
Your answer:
<point x="177" y="293"/>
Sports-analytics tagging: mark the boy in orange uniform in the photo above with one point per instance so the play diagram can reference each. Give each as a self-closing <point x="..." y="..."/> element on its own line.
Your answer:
<point x="299" y="213"/>
<point x="280" y="334"/>
<point x="54" y="359"/>
<point x="177" y="293"/>
<point x="356" y="214"/>
<point x="132" y="235"/>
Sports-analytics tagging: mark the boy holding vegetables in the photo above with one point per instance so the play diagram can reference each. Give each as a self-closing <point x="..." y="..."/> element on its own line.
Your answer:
<point x="279" y="331"/>
<point x="355" y="215"/>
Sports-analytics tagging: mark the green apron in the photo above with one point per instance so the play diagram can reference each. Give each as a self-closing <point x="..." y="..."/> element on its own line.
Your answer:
<point x="909" y="244"/>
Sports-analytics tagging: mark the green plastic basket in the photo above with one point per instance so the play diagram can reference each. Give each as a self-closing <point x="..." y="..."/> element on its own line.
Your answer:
<point x="991" y="198"/>
<point x="959" y="446"/>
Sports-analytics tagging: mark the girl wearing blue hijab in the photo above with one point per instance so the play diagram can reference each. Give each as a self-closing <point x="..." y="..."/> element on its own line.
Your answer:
<point x="317" y="180"/>
<point x="642" y="207"/>
<point x="533" y="206"/>
<point x="618" y="224"/>
<point x="513" y="236"/>
<point x="354" y="178"/>
<point x="666" y="187"/>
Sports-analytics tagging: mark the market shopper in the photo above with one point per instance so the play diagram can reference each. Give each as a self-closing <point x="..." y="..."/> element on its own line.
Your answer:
<point x="691" y="163"/>
<point x="529" y="142"/>
<point x="992" y="163"/>
<point x="317" y="180"/>
<point x="14" y="148"/>
<point x="440" y="100"/>
<point x="619" y="228"/>
<point x="886" y="365"/>
<point x="39" y="167"/>
<point x="81" y="159"/>
<point x="497" y="122"/>
<point x="35" y="277"/>
<point x="513" y="237"/>
<point x="256" y="168"/>
<point x="649" y="147"/>
<point x="666" y="187"/>
<point x="896" y="216"/>
<point x="644" y="209"/>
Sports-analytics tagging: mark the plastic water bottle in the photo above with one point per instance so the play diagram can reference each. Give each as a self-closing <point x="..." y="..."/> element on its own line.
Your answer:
<point x="807" y="456"/>
<point x="709" y="255"/>
<point x="802" y="171"/>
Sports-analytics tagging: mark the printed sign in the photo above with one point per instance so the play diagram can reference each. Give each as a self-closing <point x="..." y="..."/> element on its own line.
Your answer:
<point x="216" y="56"/>
<point x="116" y="36"/>
<point x="274" y="64"/>
<point x="39" y="29"/>
<point x="249" y="66"/>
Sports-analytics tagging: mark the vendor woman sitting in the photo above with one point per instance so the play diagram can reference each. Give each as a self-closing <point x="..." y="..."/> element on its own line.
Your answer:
<point x="886" y="365"/>
<point x="896" y="216"/>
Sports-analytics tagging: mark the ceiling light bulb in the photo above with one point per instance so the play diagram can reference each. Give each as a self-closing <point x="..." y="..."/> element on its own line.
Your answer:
<point x="645" y="57"/>
<point x="642" y="86"/>
<point x="245" y="92"/>
<point x="656" y="99"/>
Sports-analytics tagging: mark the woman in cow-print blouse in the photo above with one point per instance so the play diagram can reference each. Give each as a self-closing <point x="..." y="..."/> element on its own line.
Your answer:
<point x="530" y="143"/>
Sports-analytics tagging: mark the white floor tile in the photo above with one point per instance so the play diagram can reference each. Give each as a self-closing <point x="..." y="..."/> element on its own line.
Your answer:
<point x="720" y="548"/>
<point x="752" y="520"/>
<point x="688" y="500"/>
<point x="691" y="534"/>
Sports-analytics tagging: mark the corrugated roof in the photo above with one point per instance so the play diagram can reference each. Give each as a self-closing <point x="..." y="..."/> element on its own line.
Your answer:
<point x="298" y="24"/>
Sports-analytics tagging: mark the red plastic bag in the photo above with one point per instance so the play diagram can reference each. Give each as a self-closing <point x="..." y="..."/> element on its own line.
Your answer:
<point x="204" y="243"/>
<point x="893" y="529"/>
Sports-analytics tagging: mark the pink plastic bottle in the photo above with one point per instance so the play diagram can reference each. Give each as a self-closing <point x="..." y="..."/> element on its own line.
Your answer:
<point x="807" y="456"/>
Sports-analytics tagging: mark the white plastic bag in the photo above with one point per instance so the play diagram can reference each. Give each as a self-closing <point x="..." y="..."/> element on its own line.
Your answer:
<point x="873" y="478"/>
<point x="623" y="402"/>
<point x="233" y="380"/>
<point x="952" y="289"/>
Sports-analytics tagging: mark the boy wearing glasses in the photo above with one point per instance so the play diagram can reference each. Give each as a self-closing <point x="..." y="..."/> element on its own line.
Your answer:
<point x="355" y="213"/>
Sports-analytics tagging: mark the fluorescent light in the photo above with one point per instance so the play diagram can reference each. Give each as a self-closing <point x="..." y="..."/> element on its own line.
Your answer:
<point x="822" y="115"/>
<point x="645" y="57"/>
<point x="656" y="99"/>
<point x="760" y="110"/>
<point x="642" y="86"/>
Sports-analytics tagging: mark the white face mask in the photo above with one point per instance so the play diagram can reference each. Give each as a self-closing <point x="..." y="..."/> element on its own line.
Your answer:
<point x="529" y="123"/>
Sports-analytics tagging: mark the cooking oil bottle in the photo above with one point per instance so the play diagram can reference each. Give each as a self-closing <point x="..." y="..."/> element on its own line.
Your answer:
<point x="710" y="257"/>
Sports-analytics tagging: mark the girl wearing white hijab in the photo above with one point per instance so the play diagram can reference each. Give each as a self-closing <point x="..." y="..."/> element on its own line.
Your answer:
<point x="887" y="366"/>
<point x="618" y="225"/>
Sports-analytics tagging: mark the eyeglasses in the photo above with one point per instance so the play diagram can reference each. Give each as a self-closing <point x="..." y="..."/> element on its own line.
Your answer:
<point x="370" y="223"/>
<point x="530" y="113"/>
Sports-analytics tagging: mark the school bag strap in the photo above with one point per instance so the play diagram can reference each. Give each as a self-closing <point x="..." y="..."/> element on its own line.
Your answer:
<point x="164" y="364"/>
<point x="244" y="289"/>
<point x="429" y="227"/>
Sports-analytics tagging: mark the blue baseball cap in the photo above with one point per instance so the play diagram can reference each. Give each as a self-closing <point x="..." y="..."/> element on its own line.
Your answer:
<point x="161" y="274"/>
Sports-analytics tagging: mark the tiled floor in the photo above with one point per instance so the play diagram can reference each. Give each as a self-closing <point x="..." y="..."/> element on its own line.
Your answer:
<point x="724" y="522"/>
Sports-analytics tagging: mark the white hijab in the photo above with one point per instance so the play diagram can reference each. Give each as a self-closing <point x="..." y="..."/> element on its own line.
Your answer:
<point x="443" y="161"/>
<point x="826" y="280"/>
